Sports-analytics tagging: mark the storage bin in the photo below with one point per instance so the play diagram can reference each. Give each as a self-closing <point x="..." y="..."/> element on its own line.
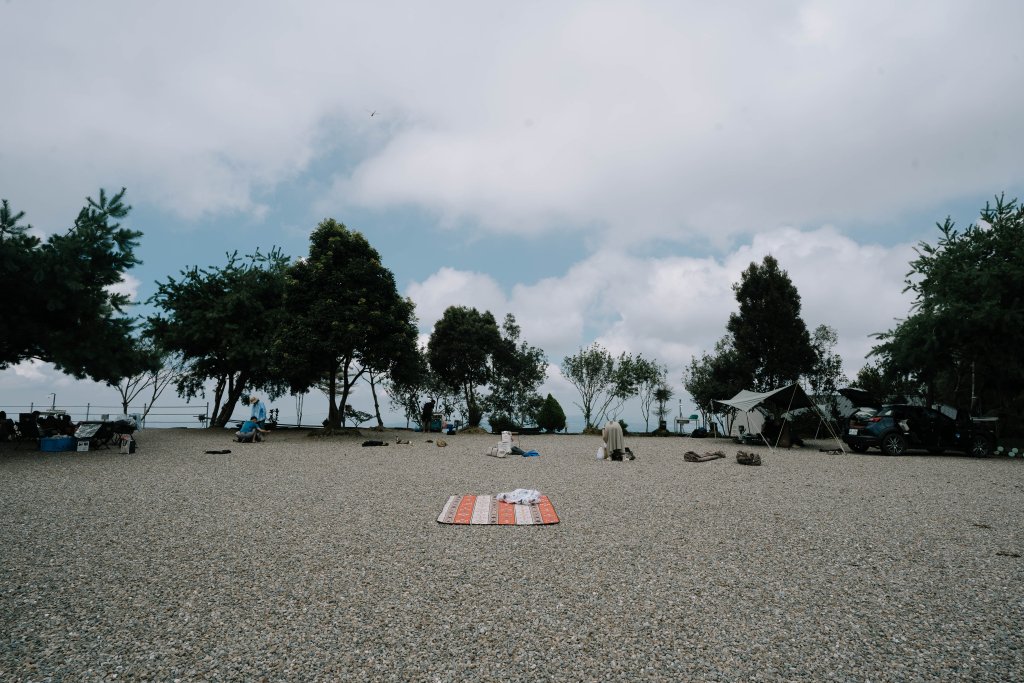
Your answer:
<point x="54" y="444"/>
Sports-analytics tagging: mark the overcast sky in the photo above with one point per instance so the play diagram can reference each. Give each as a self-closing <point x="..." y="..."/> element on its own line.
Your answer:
<point x="603" y="170"/>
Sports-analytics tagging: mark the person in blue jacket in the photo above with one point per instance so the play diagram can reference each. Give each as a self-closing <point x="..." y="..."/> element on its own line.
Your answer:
<point x="259" y="411"/>
<point x="250" y="431"/>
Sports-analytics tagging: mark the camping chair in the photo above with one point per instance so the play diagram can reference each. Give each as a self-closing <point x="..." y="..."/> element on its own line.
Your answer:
<point x="104" y="436"/>
<point x="123" y="427"/>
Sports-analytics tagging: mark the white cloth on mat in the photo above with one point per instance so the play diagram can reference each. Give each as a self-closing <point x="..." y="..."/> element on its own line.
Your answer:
<point x="524" y="496"/>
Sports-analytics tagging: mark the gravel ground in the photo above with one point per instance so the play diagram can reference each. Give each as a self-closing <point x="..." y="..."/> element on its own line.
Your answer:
<point x="316" y="559"/>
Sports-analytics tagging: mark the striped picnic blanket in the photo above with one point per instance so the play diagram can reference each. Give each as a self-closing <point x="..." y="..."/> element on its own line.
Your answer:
<point x="473" y="509"/>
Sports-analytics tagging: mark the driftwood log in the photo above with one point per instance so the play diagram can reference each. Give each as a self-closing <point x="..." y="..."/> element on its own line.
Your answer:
<point x="690" y="456"/>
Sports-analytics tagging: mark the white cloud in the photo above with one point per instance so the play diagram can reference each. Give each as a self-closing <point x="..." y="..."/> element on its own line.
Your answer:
<point x="675" y="308"/>
<point x="129" y="286"/>
<point x="450" y="287"/>
<point x="31" y="370"/>
<point x="32" y="384"/>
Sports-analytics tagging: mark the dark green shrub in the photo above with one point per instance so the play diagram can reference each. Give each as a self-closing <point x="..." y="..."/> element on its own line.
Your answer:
<point x="500" y="423"/>
<point x="551" y="417"/>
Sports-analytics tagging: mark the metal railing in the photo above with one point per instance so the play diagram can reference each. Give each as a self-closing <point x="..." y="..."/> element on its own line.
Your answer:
<point x="179" y="415"/>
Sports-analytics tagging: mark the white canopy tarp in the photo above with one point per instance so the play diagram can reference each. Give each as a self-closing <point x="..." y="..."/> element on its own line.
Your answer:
<point x="789" y="397"/>
<point x="781" y="400"/>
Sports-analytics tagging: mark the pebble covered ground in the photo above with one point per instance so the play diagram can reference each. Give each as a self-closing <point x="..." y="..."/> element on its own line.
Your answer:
<point x="316" y="559"/>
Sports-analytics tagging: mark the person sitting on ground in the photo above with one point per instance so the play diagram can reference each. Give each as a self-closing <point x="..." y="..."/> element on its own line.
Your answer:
<point x="48" y="426"/>
<point x="6" y="427"/>
<point x="67" y="427"/>
<point x="250" y="431"/>
<point x="614" y="443"/>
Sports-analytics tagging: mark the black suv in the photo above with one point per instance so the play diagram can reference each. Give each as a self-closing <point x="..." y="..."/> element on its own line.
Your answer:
<point x="896" y="427"/>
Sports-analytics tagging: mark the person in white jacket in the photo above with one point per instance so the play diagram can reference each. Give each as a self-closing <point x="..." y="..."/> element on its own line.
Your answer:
<point x="614" y="443"/>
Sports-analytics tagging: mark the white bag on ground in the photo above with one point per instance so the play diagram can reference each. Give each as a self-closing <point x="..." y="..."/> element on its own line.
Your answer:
<point x="600" y="453"/>
<point x="527" y="496"/>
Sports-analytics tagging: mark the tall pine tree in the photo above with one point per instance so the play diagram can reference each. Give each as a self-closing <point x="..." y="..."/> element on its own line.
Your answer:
<point x="770" y="338"/>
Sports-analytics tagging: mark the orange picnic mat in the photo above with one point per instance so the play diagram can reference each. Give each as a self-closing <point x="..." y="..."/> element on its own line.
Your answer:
<point x="486" y="509"/>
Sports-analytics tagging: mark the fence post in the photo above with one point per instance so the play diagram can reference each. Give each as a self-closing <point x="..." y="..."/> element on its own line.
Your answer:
<point x="87" y="411"/>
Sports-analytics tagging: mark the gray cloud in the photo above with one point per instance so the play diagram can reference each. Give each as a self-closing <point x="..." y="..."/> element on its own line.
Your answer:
<point x="656" y="118"/>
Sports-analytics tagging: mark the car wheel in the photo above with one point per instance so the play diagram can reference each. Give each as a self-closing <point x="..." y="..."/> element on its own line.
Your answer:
<point x="858" y="448"/>
<point x="893" y="443"/>
<point x="981" y="446"/>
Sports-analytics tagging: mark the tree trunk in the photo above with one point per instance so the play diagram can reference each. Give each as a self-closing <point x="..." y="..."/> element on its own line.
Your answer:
<point x="470" y="413"/>
<point x="218" y="394"/>
<point x="235" y="387"/>
<point x="333" y="422"/>
<point x="376" y="403"/>
<point x="345" y="386"/>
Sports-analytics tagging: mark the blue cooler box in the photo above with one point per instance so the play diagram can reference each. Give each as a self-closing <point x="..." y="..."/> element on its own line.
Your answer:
<point x="57" y="443"/>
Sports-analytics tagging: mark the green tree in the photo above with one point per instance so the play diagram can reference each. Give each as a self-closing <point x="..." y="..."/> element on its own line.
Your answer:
<point x="410" y="390"/>
<point x="603" y="381"/>
<point x="827" y="375"/>
<point x="518" y="369"/>
<point x="59" y="302"/>
<point x="771" y="340"/>
<point x="649" y="376"/>
<point x="404" y="366"/>
<point x="551" y="417"/>
<point x="405" y="390"/>
<point x="357" y="417"/>
<point x="713" y="377"/>
<point x="165" y="370"/>
<point x="662" y="395"/>
<point x="961" y="342"/>
<point x="345" y="317"/>
<point x="884" y="385"/>
<point x="460" y="350"/>
<point x="221" y="321"/>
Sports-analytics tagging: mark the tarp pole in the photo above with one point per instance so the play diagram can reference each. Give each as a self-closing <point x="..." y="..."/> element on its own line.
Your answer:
<point x="789" y="407"/>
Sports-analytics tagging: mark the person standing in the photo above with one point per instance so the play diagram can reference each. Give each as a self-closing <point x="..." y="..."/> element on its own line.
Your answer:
<point x="259" y="411"/>
<point x="6" y="427"/>
<point x="615" y="443"/>
<point x="428" y="415"/>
